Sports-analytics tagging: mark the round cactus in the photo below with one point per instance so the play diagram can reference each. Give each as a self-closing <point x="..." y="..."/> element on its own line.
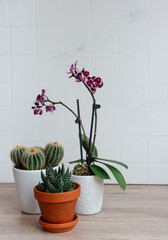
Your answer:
<point x="33" y="159"/>
<point x="16" y="154"/>
<point x="42" y="149"/>
<point x="54" y="153"/>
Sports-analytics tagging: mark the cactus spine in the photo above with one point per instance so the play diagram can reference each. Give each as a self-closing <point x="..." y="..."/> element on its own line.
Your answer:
<point x="33" y="159"/>
<point x="42" y="149"/>
<point x="54" y="153"/>
<point x="16" y="154"/>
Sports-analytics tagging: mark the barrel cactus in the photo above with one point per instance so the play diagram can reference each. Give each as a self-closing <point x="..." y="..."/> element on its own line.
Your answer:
<point x="33" y="159"/>
<point x="54" y="153"/>
<point x="42" y="149"/>
<point x="56" y="181"/>
<point x="16" y="154"/>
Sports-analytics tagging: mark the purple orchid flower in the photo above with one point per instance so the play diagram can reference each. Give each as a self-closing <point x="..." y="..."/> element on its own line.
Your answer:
<point x="73" y="70"/>
<point x="80" y="77"/>
<point x="86" y="73"/>
<point x="50" y="108"/>
<point x="98" y="81"/>
<point x="37" y="111"/>
<point x="41" y="102"/>
<point x="92" y="82"/>
<point x="41" y="98"/>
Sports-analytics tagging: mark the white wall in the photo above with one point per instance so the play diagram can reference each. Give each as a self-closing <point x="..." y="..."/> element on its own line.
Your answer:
<point x="123" y="41"/>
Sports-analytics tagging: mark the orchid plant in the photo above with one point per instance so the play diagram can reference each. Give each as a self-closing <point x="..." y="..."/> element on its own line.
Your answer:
<point x="89" y="165"/>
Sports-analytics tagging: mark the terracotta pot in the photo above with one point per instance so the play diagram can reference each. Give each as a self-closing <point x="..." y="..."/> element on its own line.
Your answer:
<point x="57" y="207"/>
<point x="58" y="228"/>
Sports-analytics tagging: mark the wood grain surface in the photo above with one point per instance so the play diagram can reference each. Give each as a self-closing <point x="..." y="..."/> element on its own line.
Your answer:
<point x="139" y="213"/>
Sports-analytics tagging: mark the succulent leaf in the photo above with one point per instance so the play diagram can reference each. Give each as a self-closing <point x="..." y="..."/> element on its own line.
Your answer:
<point x="56" y="181"/>
<point x="51" y="187"/>
<point x="42" y="187"/>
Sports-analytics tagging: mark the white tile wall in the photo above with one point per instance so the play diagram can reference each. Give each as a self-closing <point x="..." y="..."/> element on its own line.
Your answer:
<point x="108" y="35"/>
<point x="23" y="69"/>
<point x="48" y="40"/>
<point x="5" y="102"/>
<point x="6" y="172"/>
<point x="133" y="37"/>
<point x="74" y="40"/>
<point x="48" y="14"/>
<point x="76" y="12"/>
<point x="123" y="41"/>
<point x="6" y="144"/>
<point x="157" y="30"/>
<point x="23" y="123"/>
<point x="22" y="13"/>
<point x="134" y="150"/>
<point x="22" y="41"/>
<point x="158" y="150"/>
<point x="4" y="41"/>
<point x="4" y="68"/>
<point x="4" y="19"/>
<point x="104" y="12"/>
<point x="5" y="126"/>
<point x="157" y="80"/>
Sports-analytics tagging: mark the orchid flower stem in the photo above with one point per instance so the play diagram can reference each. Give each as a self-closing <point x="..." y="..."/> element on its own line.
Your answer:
<point x="95" y="130"/>
<point x="91" y="129"/>
<point x="95" y="112"/>
<point x="80" y="138"/>
<point x="94" y="100"/>
<point x="80" y="122"/>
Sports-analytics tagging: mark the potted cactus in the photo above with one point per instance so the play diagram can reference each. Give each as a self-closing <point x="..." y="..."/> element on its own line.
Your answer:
<point x="57" y="197"/>
<point x="90" y="171"/>
<point x="28" y="163"/>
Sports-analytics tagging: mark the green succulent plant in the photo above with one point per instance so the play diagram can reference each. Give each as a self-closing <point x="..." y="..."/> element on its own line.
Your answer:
<point x="56" y="181"/>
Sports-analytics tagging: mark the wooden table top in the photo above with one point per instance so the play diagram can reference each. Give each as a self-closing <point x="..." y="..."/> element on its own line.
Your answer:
<point x="139" y="213"/>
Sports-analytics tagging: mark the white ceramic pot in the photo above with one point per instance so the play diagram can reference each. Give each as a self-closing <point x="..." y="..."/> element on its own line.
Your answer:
<point x="91" y="197"/>
<point x="25" y="182"/>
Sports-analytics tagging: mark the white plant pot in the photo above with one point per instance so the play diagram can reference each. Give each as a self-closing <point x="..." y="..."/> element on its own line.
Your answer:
<point x="91" y="197"/>
<point x="25" y="181"/>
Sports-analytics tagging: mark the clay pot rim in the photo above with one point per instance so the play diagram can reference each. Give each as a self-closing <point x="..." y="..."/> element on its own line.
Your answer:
<point x="57" y="197"/>
<point x="90" y="176"/>
<point x="24" y="170"/>
<point x="28" y="171"/>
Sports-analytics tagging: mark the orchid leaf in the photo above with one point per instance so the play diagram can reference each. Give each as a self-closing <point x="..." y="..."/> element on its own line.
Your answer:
<point x="113" y="161"/>
<point x="85" y="144"/>
<point x="99" y="172"/>
<point x="117" y="174"/>
<point x="77" y="161"/>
